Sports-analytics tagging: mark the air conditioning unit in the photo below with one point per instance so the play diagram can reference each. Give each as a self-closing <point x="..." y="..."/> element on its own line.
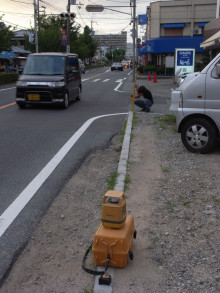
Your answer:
<point x="197" y="31"/>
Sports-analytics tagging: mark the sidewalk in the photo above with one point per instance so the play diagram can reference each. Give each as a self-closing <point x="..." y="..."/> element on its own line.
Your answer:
<point x="51" y="261"/>
<point x="161" y="91"/>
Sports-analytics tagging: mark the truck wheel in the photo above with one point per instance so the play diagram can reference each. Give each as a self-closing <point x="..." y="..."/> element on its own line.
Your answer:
<point x="199" y="135"/>
<point x="66" y="101"/>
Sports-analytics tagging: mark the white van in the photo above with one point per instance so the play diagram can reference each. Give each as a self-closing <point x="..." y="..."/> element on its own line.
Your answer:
<point x="196" y="104"/>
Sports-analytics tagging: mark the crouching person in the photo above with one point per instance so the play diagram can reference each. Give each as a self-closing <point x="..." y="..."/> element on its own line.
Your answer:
<point x="146" y="102"/>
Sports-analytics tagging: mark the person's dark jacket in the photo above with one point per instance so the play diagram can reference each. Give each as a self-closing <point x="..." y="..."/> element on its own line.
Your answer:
<point x="146" y="93"/>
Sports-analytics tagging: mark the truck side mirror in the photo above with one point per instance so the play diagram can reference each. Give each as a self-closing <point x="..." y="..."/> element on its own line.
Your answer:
<point x="218" y="69"/>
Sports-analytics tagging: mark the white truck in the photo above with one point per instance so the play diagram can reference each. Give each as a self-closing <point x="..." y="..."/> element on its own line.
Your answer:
<point x="196" y="104"/>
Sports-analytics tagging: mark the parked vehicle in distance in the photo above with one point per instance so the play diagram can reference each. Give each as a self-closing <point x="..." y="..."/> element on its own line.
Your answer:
<point x="196" y="104"/>
<point x="49" y="78"/>
<point x="82" y="66"/>
<point x="116" y="66"/>
<point x="125" y="64"/>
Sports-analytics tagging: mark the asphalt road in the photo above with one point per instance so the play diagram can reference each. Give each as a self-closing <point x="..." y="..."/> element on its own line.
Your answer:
<point x="31" y="140"/>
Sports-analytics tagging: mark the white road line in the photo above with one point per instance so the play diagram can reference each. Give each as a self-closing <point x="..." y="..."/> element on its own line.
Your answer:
<point x="10" y="214"/>
<point x="118" y="86"/>
<point x="9" y="88"/>
<point x="119" y="80"/>
<point x="95" y="80"/>
<point x="105" y="80"/>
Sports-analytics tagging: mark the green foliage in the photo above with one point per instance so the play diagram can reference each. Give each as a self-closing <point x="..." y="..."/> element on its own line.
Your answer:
<point x="149" y="68"/>
<point x="118" y="55"/>
<point x="199" y="66"/>
<point x="8" y="78"/>
<point x="49" y="37"/>
<point x="5" y="36"/>
<point x="112" y="180"/>
<point x="140" y="69"/>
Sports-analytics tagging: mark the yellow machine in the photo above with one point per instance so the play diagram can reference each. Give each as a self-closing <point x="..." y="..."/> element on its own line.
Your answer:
<point x="114" y="209"/>
<point x="115" y="243"/>
<point x="113" y="240"/>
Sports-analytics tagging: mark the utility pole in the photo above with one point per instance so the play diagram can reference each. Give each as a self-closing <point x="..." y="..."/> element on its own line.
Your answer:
<point x="68" y="28"/>
<point x="134" y="37"/>
<point x="35" y="25"/>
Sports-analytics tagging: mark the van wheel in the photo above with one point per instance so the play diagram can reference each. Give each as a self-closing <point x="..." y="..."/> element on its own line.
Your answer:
<point x="66" y="101"/>
<point x="78" y="98"/>
<point x="199" y="135"/>
<point x="21" y="105"/>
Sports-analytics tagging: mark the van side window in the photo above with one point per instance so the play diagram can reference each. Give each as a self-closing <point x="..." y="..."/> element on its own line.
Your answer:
<point x="73" y="64"/>
<point x="214" y="74"/>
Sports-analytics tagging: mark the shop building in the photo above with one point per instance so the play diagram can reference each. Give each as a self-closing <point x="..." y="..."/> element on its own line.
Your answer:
<point x="175" y="24"/>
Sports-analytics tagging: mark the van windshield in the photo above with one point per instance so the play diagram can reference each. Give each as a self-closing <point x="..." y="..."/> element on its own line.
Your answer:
<point x="44" y="65"/>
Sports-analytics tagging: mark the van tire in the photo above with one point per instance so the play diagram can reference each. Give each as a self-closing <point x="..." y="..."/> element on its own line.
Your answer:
<point x="66" y="101"/>
<point x="21" y="105"/>
<point x="199" y="135"/>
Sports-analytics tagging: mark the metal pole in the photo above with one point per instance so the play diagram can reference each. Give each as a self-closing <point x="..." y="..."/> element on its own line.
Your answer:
<point x="35" y="26"/>
<point x="68" y="28"/>
<point x="134" y="33"/>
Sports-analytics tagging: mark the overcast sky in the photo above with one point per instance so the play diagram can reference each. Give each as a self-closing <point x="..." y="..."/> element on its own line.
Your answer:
<point x="20" y="13"/>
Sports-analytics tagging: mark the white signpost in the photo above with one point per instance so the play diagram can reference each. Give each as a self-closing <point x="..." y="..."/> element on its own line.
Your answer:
<point x="184" y="61"/>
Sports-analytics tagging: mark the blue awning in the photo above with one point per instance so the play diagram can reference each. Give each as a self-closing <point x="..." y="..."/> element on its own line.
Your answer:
<point x="202" y="24"/>
<point x="168" y="44"/>
<point x="7" y="55"/>
<point x="173" y="25"/>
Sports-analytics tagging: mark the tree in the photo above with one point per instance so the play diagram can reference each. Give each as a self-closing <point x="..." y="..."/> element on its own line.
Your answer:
<point x="86" y="45"/>
<point x="5" y="36"/>
<point x="49" y="33"/>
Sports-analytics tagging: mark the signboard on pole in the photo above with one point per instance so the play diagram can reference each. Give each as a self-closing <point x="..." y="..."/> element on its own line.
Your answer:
<point x="94" y="8"/>
<point x="142" y="19"/>
<point x="184" y="61"/>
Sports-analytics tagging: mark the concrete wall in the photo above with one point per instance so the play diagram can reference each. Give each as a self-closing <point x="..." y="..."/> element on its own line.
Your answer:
<point x="189" y="12"/>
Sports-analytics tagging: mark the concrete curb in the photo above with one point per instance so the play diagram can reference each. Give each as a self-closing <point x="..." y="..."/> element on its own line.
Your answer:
<point x="122" y="170"/>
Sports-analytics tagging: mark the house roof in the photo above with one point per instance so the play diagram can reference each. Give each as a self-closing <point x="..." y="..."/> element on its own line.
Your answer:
<point x="19" y="50"/>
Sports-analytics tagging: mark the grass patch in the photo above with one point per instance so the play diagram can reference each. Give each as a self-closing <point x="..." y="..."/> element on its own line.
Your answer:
<point x="170" y="205"/>
<point x="135" y="120"/>
<point x="127" y="181"/>
<point x="88" y="290"/>
<point x="112" y="180"/>
<point x="164" y="169"/>
<point x="168" y="118"/>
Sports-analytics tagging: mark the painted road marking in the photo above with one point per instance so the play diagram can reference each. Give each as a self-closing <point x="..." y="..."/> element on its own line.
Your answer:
<point x="11" y="213"/>
<point x="8" y="105"/>
<point x="9" y="88"/>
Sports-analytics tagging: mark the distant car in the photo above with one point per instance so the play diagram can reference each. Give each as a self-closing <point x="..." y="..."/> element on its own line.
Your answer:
<point x="125" y="64"/>
<point x="117" y="66"/>
<point x="81" y="66"/>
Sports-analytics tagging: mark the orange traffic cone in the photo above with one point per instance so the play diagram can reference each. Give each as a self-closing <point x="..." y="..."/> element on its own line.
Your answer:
<point x="149" y="75"/>
<point x="155" y="77"/>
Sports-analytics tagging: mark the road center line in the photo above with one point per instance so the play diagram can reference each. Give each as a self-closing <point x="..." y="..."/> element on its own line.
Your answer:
<point x="8" y="105"/>
<point x="10" y="214"/>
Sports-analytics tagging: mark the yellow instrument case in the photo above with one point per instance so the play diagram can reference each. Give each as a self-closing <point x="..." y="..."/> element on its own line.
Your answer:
<point x="114" y="209"/>
<point x="115" y="242"/>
